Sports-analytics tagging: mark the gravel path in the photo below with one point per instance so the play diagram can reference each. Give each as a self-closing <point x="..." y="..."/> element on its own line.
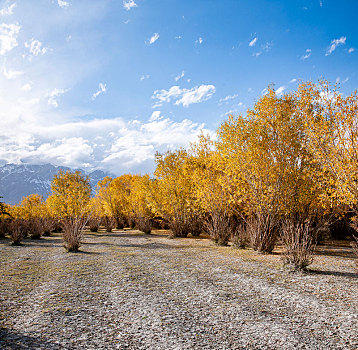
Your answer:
<point x="132" y="291"/>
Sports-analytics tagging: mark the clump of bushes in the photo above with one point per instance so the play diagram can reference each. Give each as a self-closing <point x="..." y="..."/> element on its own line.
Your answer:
<point x="299" y="241"/>
<point x="144" y="224"/>
<point x="72" y="232"/>
<point x="17" y="230"/>
<point x="109" y="223"/>
<point x="94" y="223"/>
<point x="262" y="230"/>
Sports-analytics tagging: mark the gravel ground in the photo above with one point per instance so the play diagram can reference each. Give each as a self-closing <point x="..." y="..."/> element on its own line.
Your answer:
<point x="127" y="290"/>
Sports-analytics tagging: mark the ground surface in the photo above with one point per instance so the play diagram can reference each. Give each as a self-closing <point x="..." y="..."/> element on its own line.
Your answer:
<point x="127" y="290"/>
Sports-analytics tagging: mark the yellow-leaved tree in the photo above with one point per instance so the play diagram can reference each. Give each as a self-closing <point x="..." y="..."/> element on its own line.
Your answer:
<point x="269" y="163"/>
<point x="174" y="196"/>
<point x="114" y="195"/>
<point x="69" y="201"/>
<point x="332" y="125"/>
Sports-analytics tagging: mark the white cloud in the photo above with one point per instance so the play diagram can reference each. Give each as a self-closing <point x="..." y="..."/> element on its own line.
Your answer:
<point x="253" y="42"/>
<point x="114" y="144"/>
<point x="320" y="3"/>
<point x="306" y="55"/>
<point x="292" y="81"/>
<point x="334" y="44"/>
<point x="26" y="87"/>
<point x="280" y="90"/>
<point x="11" y="74"/>
<point x="129" y="4"/>
<point x="53" y="95"/>
<point x="62" y="3"/>
<point x="155" y="116"/>
<point x="35" y="47"/>
<point x="179" y="37"/>
<point x="7" y="11"/>
<point x="178" y="77"/>
<point x="229" y="97"/>
<point x="199" y="41"/>
<point x="264" y="48"/>
<point x="153" y="39"/>
<point x="8" y="37"/>
<point x="102" y="88"/>
<point x="351" y="50"/>
<point x="143" y="77"/>
<point x="184" y="97"/>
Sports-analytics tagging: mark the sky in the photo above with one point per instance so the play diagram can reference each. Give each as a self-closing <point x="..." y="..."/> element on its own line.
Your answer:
<point x="105" y="84"/>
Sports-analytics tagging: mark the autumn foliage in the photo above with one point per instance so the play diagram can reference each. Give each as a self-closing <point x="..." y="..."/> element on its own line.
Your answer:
<point x="275" y="175"/>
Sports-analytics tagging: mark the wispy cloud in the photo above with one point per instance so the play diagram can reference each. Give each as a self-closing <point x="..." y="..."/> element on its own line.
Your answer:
<point x="129" y="4"/>
<point x="351" y="50"/>
<point x="178" y="77"/>
<point x="229" y="97"/>
<point x="334" y="44"/>
<point x="199" y="41"/>
<point x="11" y="74"/>
<point x="153" y="39"/>
<point x="307" y="54"/>
<point x="62" y="3"/>
<point x="184" y="97"/>
<point x="8" y="10"/>
<point x="35" y="47"/>
<point x="53" y="96"/>
<point x="264" y="48"/>
<point x="102" y="89"/>
<point x="253" y="42"/>
<point x="8" y="37"/>
<point x="145" y="76"/>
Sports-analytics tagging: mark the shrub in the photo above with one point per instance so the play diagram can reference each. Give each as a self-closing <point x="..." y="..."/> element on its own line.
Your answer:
<point x="299" y="241"/>
<point x="34" y="228"/>
<point x="144" y="224"/>
<point x="109" y="223"/>
<point x="262" y="230"/>
<point x="219" y="227"/>
<point x="179" y="225"/>
<point x="48" y="225"/>
<point x="238" y="236"/>
<point x="94" y="223"/>
<point x="196" y="226"/>
<point x="4" y="227"/>
<point x="73" y="227"/>
<point x="17" y="230"/>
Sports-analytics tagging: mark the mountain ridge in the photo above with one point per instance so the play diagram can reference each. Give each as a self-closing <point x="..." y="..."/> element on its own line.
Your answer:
<point x="20" y="180"/>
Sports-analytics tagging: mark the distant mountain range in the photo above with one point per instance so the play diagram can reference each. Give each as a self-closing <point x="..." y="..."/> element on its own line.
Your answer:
<point x="17" y="181"/>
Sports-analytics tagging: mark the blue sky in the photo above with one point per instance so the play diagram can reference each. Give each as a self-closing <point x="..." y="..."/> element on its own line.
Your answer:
<point x="107" y="83"/>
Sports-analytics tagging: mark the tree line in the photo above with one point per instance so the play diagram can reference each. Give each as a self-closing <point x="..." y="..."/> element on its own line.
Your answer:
<point x="282" y="172"/>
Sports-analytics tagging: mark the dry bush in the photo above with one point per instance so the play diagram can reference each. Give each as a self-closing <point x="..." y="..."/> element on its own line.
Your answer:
<point x="109" y="223"/>
<point x="144" y="224"/>
<point x="239" y="236"/>
<point x="94" y="222"/>
<point x="196" y="226"/>
<point x="72" y="232"/>
<point x="299" y="241"/>
<point x="34" y="228"/>
<point x="17" y="230"/>
<point x="179" y="225"/>
<point x="219" y="227"/>
<point x="48" y="225"/>
<point x="262" y="231"/>
<point x="4" y="227"/>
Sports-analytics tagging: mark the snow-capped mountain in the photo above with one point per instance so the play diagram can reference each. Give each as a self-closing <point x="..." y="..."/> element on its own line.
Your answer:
<point x="17" y="181"/>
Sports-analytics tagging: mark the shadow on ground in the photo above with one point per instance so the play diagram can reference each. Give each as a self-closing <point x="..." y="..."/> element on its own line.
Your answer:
<point x="17" y="341"/>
